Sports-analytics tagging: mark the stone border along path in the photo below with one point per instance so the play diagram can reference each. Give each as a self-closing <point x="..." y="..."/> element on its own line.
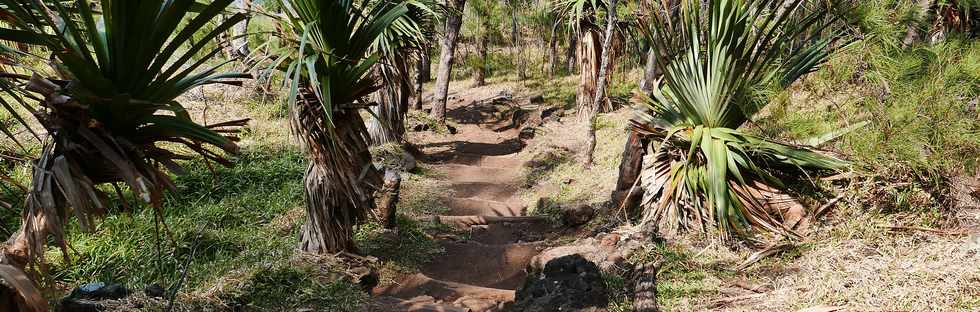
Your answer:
<point x="480" y="273"/>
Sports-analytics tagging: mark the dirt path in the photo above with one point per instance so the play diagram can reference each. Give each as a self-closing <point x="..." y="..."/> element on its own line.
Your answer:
<point x="482" y="271"/>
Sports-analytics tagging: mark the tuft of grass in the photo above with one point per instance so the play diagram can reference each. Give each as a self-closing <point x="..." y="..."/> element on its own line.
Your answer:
<point x="402" y="252"/>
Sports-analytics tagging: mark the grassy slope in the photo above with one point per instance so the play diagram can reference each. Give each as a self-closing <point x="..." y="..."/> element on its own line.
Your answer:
<point x="241" y="225"/>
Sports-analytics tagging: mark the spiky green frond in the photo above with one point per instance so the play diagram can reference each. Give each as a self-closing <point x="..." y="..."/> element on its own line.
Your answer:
<point x="703" y="172"/>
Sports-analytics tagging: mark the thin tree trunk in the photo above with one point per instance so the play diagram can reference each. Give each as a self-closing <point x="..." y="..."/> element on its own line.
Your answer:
<point x="515" y="39"/>
<point x="553" y="51"/>
<point x="480" y="74"/>
<point x="601" y="85"/>
<point x="650" y="72"/>
<point x="424" y="65"/>
<point x="237" y="39"/>
<point x="570" y="54"/>
<point x="453" y="22"/>
<point x="421" y="76"/>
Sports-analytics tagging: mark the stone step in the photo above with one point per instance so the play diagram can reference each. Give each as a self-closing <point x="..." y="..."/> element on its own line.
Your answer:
<point x="486" y="161"/>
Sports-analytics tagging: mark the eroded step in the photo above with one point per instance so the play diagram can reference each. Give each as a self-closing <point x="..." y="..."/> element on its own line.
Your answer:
<point x="512" y="233"/>
<point x="464" y="222"/>
<point x="492" y="266"/>
<point x="484" y="190"/>
<point x="421" y="285"/>
<point x="417" y="304"/>
<point x="467" y="173"/>
<point x="477" y="206"/>
<point x="505" y="147"/>
<point x="487" y="161"/>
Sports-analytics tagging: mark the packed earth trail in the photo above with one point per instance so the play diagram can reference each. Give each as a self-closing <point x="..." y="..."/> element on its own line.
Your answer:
<point x="479" y="271"/>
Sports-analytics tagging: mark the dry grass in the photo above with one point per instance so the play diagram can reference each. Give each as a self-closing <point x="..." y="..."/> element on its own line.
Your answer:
<point x="568" y="182"/>
<point x="852" y="261"/>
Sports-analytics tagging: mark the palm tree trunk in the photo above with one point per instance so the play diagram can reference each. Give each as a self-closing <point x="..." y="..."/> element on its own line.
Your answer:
<point x="339" y="179"/>
<point x="424" y="66"/>
<point x="629" y="171"/>
<point x="480" y="75"/>
<point x="589" y="61"/>
<point x="601" y="85"/>
<point x="570" y="53"/>
<point x="650" y="72"/>
<point x="388" y="124"/>
<point x="553" y="51"/>
<point x="454" y="20"/>
<point x="421" y="76"/>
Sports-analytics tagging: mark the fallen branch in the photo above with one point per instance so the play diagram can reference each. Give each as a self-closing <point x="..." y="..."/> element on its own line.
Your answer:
<point x="765" y="253"/>
<point x="896" y="228"/>
<point x="826" y="207"/>
<point x="729" y="300"/>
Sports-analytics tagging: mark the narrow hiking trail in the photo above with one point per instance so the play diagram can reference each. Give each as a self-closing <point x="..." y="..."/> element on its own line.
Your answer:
<point x="479" y="271"/>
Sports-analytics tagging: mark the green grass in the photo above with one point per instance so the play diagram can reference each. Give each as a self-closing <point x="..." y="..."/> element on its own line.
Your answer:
<point x="922" y="128"/>
<point x="226" y="219"/>
<point x="241" y="226"/>
<point x="682" y="276"/>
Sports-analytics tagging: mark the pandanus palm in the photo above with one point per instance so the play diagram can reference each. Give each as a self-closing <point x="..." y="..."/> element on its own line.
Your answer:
<point x="582" y="21"/>
<point x="397" y="46"/>
<point x="328" y="58"/>
<point x="702" y="171"/>
<point x="111" y="112"/>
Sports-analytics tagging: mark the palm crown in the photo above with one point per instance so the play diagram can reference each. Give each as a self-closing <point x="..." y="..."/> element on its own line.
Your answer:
<point x="704" y="171"/>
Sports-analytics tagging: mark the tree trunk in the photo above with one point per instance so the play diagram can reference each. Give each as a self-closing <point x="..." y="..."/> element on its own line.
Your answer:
<point x="237" y="47"/>
<point x="553" y="51"/>
<point x="594" y="108"/>
<point x="629" y="172"/>
<point x="388" y="199"/>
<point x="515" y="39"/>
<point x="480" y="74"/>
<point x="650" y="72"/>
<point x="453" y="22"/>
<point x="424" y="66"/>
<point x="570" y="54"/>
<point x="421" y="76"/>
<point x="645" y="289"/>
<point x="388" y="122"/>
<point x="339" y="179"/>
<point x="589" y="61"/>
